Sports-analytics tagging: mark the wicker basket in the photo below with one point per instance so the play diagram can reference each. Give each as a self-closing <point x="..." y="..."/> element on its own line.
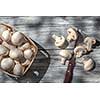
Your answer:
<point x="35" y="53"/>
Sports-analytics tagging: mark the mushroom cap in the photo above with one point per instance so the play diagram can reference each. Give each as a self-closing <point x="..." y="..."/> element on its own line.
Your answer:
<point x="28" y="53"/>
<point x="72" y="34"/>
<point x="3" y="50"/>
<point x="25" y="46"/>
<point x="17" y="38"/>
<point x="16" y="54"/>
<point x="18" y="69"/>
<point x="88" y="64"/>
<point x="7" y="63"/>
<point x="6" y="35"/>
<point x="65" y="53"/>
<point x="80" y="50"/>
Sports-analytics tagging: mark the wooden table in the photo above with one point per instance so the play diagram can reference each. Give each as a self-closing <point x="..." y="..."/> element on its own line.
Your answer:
<point x="47" y="67"/>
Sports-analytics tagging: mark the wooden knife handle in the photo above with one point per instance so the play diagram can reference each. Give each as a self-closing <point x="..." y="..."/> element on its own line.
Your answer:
<point x="69" y="72"/>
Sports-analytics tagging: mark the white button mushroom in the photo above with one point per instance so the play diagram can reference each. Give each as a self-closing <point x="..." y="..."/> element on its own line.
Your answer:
<point x="6" y="35"/>
<point x="89" y="41"/>
<point x="88" y="64"/>
<point x="65" y="55"/>
<point x="7" y="64"/>
<point x="60" y="41"/>
<point x="3" y="50"/>
<point x="14" y="52"/>
<point x="25" y="46"/>
<point x="17" y="38"/>
<point x="28" y="53"/>
<point x="72" y="34"/>
<point x="80" y="50"/>
<point x="18" y="69"/>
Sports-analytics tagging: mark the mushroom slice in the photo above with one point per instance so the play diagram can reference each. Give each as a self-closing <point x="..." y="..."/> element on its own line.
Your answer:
<point x="88" y="63"/>
<point x="72" y="34"/>
<point x="89" y="41"/>
<point x="80" y="50"/>
<point x="60" y="41"/>
<point x="65" y="55"/>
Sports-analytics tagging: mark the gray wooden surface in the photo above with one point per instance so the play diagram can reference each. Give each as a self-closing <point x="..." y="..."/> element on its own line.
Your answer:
<point x="40" y="30"/>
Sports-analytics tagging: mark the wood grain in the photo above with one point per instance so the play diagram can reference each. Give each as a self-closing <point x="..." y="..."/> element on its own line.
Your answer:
<point x="40" y="29"/>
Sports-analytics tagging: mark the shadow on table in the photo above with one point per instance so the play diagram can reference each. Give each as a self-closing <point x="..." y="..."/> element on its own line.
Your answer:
<point x="38" y="68"/>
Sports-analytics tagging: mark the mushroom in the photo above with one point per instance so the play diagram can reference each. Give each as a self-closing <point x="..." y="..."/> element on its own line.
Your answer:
<point x="89" y="41"/>
<point x="14" y="52"/>
<point x="7" y="35"/>
<point x="18" y="69"/>
<point x="17" y="38"/>
<point x="72" y="34"/>
<point x="88" y="63"/>
<point x="80" y="50"/>
<point x="60" y="41"/>
<point x="7" y="64"/>
<point x="25" y="46"/>
<point x="3" y="50"/>
<point x="28" y="53"/>
<point x="65" y="55"/>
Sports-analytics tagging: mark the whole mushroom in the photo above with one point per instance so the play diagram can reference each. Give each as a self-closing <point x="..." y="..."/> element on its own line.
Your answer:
<point x="3" y="50"/>
<point x="7" y="64"/>
<point x="18" y="69"/>
<point x="89" y="41"/>
<point x="7" y="35"/>
<point x="14" y="53"/>
<point x="28" y="53"/>
<point x="60" y="41"/>
<point x="65" y="55"/>
<point x="17" y="38"/>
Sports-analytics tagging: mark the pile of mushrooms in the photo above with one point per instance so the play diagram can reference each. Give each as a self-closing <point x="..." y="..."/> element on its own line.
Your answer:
<point x="16" y="52"/>
<point x="79" y="50"/>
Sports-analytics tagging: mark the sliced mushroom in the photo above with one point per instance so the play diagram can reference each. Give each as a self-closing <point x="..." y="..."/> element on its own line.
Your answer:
<point x="60" y="41"/>
<point x="65" y="55"/>
<point x="88" y="63"/>
<point x="89" y="41"/>
<point x="72" y="34"/>
<point x="80" y="50"/>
